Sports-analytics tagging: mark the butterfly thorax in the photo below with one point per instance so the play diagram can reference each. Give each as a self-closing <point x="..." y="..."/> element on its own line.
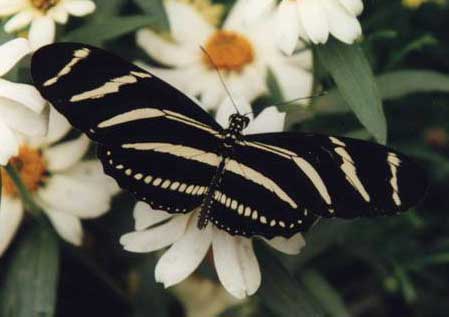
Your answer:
<point x="237" y="123"/>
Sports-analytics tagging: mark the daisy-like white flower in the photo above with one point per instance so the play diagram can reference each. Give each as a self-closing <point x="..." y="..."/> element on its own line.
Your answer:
<point x="311" y="20"/>
<point x="42" y="15"/>
<point x="234" y="258"/>
<point x="21" y="106"/>
<point x="243" y="52"/>
<point x="66" y="188"/>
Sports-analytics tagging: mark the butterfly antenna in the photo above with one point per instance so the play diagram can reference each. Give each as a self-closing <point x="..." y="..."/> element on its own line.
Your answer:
<point x="284" y="103"/>
<point x="221" y="78"/>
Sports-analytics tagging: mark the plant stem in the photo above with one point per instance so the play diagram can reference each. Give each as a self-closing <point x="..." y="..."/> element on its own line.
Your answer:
<point x="24" y="193"/>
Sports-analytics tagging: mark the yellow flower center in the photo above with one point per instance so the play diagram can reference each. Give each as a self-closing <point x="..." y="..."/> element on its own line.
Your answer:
<point x="44" y="5"/>
<point x="229" y="51"/>
<point x="31" y="167"/>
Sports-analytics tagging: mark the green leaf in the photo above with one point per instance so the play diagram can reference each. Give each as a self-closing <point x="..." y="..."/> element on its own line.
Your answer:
<point x="276" y="95"/>
<point x="103" y="30"/>
<point x="280" y="291"/>
<point x="325" y="294"/>
<point x="353" y="76"/>
<point x="107" y="8"/>
<point x="400" y="83"/>
<point x="156" y="10"/>
<point x="31" y="275"/>
<point x="407" y="287"/>
<point x="391" y="85"/>
<point x="416" y="45"/>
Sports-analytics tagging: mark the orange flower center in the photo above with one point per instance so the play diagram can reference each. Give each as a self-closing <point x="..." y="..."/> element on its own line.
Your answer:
<point x="44" y="5"/>
<point x="229" y="51"/>
<point x="31" y="166"/>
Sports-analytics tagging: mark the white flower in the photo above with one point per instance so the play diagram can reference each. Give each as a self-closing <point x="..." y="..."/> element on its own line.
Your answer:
<point x="243" y="53"/>
<point x="235" y="261"/>
<point x="21" y="106"/>
<point x="42" y="15"/>
<point x="312" y="20"/>
<point x="65" y="188"/>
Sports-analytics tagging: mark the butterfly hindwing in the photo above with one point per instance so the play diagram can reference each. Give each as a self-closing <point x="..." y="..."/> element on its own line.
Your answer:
<point x="336" y="176"/>
<point x="243" y="207"/>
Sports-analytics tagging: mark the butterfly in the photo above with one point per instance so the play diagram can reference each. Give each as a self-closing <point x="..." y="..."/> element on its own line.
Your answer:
<point x="160" y="145"/>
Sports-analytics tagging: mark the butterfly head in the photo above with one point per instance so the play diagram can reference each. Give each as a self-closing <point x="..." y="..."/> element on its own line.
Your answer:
<point x="238" y="122"/>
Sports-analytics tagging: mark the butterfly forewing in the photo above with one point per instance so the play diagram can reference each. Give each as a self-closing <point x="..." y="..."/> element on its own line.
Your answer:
<point x="109" y="98"/>
<point x="152" y="137"/>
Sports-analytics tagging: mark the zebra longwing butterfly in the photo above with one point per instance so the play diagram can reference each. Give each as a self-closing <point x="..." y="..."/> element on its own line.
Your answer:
<point x="161" y="146"/>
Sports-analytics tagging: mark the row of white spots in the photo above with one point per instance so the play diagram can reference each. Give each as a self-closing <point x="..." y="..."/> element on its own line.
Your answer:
<point x="110" y="87"/>
<point x="348" y="168"/>
<point x="213" y="159"/>
<point x="395" y="163"/>
<point x="166" y="184"/>
<point x="78" y="55"/>
<point x="248" y="212"/>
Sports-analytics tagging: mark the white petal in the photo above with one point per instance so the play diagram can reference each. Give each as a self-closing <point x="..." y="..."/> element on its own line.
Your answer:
<point x="22" y="119"/>
<point x="163" y="51"/>
<point x="9" y="7"/>
<point x="11" y="53"/>
<point x="156" y="238"/>
<point x="67" y="226"/>
<point x="236" y="19"/>
<point x="42" y="32"/>
<point x="254" y="9"/>
<point x="79" y="8"/>
<point x="269" y="120"/>
<point x="295" y="82"/>
<point x="19" y="21"/>
<point x="288" y="26"/>
<point x="185" y="255"/>
<point x="71" y="195"/>
<point x="314" y="20"/>
<point x="9" y="144"/>
<point x="145" y="216"/>
<point x="59" y="14"/>
<point x="213" y="96"/>
<point x="11" y="214"/>
<point x="355" y="7"/>
<point x="58" y="127"/>
<point x="342" y="25"/>
<point x="226" y="109"/>
<point x="24" y="94"/>
<point x="236" y="264"/>
<point x="187" y="25"/>
<point x="290" y="246"/>
<point x="92" y="172"/>
<point x="64" y="155"/>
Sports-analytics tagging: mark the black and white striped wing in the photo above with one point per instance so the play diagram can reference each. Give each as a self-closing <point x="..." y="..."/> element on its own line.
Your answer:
<point x="334" y="176"/>
<point x="277" y="184"/>
<point x="152" y="138"/>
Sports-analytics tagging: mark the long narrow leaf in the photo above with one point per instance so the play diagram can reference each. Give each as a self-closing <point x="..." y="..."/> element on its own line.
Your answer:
<point x="100" y="31"/>
<point x="354" y="78"/>
<point x="31" y="275"/>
